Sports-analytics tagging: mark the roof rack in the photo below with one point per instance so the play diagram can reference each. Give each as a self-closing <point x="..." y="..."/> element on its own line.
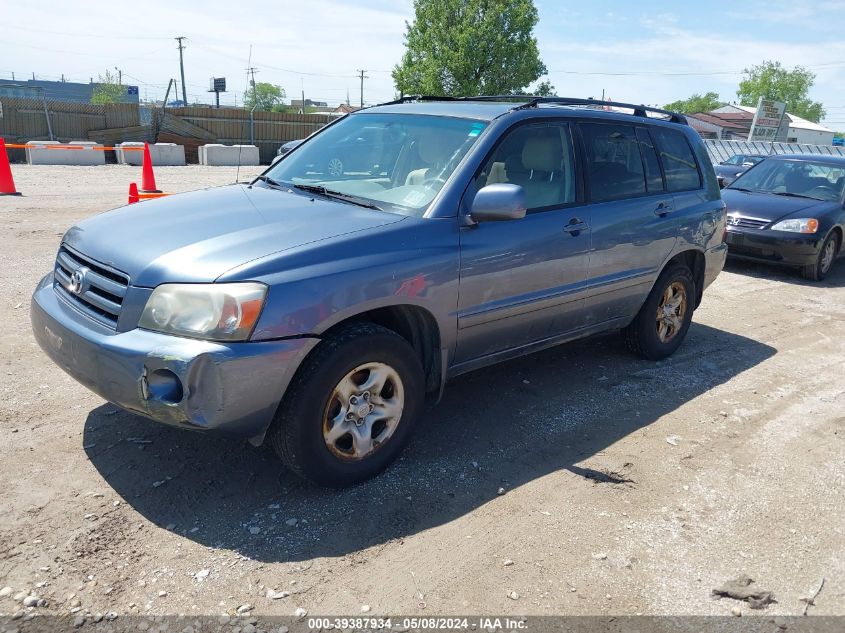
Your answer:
<point x="531" y="101"/>
<point x="410" y="98"/>
<point x="639" y="110"/>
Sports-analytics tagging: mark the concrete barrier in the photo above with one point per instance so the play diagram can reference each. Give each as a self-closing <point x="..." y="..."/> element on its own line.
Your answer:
<point x="162" y="154"/>
<point x="37" y="155"/>
<point x="228" y="155"/>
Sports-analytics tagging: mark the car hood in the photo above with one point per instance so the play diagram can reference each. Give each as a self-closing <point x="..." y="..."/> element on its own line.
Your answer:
<point x="767" y="206"/>
<point x="728" y="170"/>
<point x="198" y="236"/>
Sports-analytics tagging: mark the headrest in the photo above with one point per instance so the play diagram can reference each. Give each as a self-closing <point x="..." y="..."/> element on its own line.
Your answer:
<point x="429" y="149"/>
<point x="542" y="154"/>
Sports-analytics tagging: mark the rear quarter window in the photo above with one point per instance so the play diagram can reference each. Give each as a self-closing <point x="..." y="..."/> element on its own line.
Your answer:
<point x="679" y="165"/>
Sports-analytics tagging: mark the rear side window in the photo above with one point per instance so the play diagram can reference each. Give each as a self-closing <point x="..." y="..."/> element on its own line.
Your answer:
<point x="678" y="160"/>
<point x="614" y="165"/>
<point x="653" y="177"/>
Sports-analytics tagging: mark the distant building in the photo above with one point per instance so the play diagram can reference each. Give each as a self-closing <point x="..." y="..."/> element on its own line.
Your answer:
<point x="315" y="106"/>
<point x="733" y="122"/>
<point x="345" y="108"/>
<point x="57" y="90"/>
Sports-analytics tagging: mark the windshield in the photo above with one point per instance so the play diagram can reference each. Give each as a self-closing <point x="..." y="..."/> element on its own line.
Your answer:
<point x="396" y="162"/>
<point x="794" y="177"/>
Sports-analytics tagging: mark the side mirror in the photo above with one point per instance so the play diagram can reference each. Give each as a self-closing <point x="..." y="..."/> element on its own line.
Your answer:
<point x="501" y="201"/>
<point x="721" y="182"/>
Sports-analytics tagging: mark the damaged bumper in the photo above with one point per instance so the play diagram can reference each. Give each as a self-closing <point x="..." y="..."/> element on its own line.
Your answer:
<point x="232" y="387"/>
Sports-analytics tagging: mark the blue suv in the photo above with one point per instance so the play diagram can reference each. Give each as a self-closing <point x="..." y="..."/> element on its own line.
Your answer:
<point x="320" y="310"/>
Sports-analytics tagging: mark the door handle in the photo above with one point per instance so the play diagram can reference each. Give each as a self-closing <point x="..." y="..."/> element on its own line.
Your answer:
<point x="575" y="226"/>
<point x="663" y="207"/>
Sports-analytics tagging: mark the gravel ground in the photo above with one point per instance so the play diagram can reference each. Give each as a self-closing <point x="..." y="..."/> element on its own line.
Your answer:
<point x="628" y="486"/>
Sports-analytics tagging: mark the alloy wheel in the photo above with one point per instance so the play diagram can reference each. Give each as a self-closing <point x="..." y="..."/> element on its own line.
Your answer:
<point x="671" y="311"/>
<point x="363" y="411"/>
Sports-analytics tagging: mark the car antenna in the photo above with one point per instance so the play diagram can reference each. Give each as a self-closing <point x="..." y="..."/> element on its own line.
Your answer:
<point x="246" y="89"/>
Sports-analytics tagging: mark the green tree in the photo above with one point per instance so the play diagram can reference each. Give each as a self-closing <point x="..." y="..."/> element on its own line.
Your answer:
<point x="696" y="103"/>
<point x="545" y="89"/>
<point x="770" y="80"/>
<point x="265" y="96"/>
<point x="107" y="90"/>
<point x="469" y="47"/>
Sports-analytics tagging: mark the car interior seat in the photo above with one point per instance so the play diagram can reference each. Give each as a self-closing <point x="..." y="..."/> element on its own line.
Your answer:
<point x="430" y="154"/>
<point x="539" y="171"/>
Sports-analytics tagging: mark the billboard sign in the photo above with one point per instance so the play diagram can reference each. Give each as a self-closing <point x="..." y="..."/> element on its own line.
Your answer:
<point x="770" y="122"/>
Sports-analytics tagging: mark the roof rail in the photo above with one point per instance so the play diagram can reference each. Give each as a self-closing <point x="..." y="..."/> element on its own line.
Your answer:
<point x="639" y="110"/>
<point x="531" y="101"/>
<point x="410" y="98"/>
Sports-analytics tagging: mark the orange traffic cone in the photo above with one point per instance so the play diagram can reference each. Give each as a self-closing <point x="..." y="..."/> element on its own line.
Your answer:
<point x="148" y="179"/>
<point x="133" y="193"/>
<point x="7" y="184"/>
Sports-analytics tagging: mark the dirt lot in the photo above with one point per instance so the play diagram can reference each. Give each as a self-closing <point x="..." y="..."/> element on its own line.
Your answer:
<point x="630" y="487"/>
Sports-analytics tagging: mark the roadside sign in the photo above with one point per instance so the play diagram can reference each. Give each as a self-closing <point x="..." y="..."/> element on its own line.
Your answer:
<point x="770" y="122"/>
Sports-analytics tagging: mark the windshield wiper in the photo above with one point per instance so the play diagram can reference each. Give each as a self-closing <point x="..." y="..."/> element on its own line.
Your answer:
<point x="739" y="189"/>
<point x="338" y="195"/>
<point x="794" y="195"/>
<point x="271" y="182"/>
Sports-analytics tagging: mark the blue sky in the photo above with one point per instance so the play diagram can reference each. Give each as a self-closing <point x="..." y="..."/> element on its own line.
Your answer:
<point x="633" y="50"/>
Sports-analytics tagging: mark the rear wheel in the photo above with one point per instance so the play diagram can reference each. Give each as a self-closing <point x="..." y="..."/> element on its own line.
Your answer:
<point x="824" y="262"/>
<point x="663" y="321"/>
<point x="351" y="408"/>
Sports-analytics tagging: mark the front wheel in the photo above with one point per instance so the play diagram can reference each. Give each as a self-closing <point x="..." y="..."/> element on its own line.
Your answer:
<point x="351" y="408"/>
<point x="824" y="262"/>
<point x="663" y="321"/>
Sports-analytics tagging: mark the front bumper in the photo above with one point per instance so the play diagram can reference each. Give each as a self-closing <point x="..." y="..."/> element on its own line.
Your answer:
<point x="232" y="387"/>
<point x="781" y="247"/>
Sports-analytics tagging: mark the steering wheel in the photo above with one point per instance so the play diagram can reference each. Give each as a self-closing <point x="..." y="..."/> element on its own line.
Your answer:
<point x="822" y="189"/>
<point x="428" y="182"/>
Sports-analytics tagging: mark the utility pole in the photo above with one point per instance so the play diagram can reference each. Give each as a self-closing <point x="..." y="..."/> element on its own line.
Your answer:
<point x="119" y="75"/>
<point x="363" y="77"/>
<point x="251" y="71"/>
<point x="182" y="67"/>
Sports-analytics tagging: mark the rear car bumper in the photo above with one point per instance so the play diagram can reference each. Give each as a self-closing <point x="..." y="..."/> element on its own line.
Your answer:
<point x="714" y="262"/>
<point x="792" y="249"/>
<point x="232" y="387"/>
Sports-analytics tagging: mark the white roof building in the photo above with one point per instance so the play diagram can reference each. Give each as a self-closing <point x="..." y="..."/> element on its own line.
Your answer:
<point x="800" y="130"/>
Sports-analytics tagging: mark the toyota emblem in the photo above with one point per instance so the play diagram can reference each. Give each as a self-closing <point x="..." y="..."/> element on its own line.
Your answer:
<point x="77" y="281"/>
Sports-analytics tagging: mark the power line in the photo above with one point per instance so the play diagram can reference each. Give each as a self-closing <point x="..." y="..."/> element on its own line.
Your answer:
<point x="89" y="34"/>
<point x="634" y="73"/>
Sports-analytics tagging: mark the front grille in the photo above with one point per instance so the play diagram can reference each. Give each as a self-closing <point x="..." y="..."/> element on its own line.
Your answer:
<point x="738" y="222"/>
<point x="102" y="289"/>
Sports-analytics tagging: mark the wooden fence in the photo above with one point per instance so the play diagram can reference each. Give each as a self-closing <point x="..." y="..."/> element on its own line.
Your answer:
<point x="25" y="120"/>
<point x="231" y="126"/>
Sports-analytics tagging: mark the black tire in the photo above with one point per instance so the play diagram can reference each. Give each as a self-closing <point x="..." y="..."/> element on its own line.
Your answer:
<point x="297" y="431"/>
<point x="819" y="270"/>
<point x="641" y="336"/>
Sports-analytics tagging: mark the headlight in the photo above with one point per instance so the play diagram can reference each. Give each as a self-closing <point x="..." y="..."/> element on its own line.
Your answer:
<point x="217" y="312"/>
<point x="798" y="225"/>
